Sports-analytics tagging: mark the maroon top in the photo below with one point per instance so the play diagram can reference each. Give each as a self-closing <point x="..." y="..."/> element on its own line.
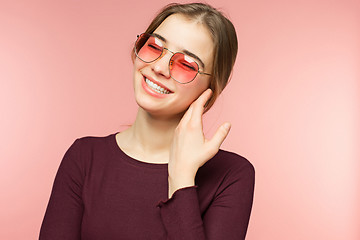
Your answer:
<point x="101" y="193"/>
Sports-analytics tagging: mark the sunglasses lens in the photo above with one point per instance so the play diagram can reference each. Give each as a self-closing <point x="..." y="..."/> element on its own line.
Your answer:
<point x="183" y="68"/>
<point x="148" y="48"/>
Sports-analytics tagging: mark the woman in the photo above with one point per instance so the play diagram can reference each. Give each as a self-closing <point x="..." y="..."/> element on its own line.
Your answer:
<point x="160" y="178"/>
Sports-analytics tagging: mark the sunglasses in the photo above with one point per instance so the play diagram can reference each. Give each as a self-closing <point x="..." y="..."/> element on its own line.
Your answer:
<point x="182" y="68"/>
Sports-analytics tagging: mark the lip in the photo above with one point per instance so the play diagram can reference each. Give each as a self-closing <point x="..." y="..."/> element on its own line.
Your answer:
<point x="152" y="92"/>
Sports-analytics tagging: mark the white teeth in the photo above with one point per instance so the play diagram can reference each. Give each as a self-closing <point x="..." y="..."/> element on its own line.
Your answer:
<point x="156" y="87"/>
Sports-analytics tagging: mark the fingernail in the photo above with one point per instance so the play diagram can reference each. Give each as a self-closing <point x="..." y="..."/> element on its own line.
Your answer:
<point x="227" y="126"/>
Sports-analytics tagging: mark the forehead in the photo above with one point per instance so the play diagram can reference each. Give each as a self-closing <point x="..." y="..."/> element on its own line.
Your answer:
<point x="182" y="34"/>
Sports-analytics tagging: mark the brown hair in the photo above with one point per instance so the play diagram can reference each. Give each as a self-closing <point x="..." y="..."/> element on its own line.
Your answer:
<point x="223" y="35"/>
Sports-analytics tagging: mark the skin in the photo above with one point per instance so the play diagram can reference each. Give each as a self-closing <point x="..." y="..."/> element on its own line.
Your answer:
<point x="169" y="129"/>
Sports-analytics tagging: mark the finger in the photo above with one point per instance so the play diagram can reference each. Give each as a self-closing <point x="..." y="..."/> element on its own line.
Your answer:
<point x="186" y="117"/>
<point x="200" y="103"/>
<point x="219" y="136"/>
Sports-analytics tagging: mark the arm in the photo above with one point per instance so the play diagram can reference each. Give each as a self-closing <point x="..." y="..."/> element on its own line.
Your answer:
<point x="189" y="149"/>
<point x="228" y="216"/>
<point x="65" y="208"/>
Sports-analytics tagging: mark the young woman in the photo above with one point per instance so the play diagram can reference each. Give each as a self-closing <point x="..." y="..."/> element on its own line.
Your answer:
<point x="160" y="178"/>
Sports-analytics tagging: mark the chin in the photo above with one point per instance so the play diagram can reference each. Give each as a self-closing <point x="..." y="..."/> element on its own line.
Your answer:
<point x="156" y="110"/>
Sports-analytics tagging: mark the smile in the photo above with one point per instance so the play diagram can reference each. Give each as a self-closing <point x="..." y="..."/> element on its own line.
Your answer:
<point x="156" y="87"/>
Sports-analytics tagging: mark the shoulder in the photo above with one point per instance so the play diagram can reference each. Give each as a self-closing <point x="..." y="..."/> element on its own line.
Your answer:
<point x="92" y="140"/>
<point x="227" y="167"/>
<point x="230" y="161"/>
<point x="226" y="174"/>
<point x="87" y="143"/>
<point x="86" y="148"/>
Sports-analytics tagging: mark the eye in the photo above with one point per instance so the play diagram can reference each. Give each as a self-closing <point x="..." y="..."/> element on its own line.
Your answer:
<point x="154" y="47"/>
<point x="187" y="66"/>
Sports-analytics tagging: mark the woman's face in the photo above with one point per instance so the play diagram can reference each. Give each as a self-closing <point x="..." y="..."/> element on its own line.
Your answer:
<point x="179" y="35"/>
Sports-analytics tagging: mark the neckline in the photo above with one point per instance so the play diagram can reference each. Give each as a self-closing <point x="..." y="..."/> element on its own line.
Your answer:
<point x="118" y="151"/>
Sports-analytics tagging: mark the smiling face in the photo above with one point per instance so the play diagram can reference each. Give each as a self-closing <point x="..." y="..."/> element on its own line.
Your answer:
<point x="178" y="34"/>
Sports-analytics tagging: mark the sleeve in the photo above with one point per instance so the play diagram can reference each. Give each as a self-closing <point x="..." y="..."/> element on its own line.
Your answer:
<point x="64" y="212"/>
<point x="226" y="218"/>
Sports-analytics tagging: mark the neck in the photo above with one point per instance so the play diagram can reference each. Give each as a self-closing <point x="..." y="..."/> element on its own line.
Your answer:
<point x="152" y="134"/>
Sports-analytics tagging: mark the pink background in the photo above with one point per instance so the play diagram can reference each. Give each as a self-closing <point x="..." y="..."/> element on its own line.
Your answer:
<point x="65" y="72"/>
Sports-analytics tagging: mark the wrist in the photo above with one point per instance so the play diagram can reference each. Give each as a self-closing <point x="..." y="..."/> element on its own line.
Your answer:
<point x="179" y="182"/>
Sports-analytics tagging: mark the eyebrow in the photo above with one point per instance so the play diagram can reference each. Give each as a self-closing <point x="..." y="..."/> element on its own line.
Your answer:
<point x="187" y="52"/>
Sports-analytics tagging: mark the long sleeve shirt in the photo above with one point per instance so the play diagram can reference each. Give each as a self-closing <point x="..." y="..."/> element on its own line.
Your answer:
<point x="99" y="192"/>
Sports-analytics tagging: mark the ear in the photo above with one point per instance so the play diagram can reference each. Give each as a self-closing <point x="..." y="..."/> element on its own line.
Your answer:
<point x="213" y="97"/>
<point x="208" y="104"/>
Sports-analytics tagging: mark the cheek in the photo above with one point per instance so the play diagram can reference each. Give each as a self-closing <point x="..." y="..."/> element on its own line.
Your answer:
<point x="199" y="85"/>
<point x="193" y="90"/>
<point x="137" y="66"/>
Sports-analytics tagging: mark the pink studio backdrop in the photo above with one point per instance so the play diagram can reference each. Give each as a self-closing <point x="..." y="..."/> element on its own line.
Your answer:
<point x="65" y="72"/>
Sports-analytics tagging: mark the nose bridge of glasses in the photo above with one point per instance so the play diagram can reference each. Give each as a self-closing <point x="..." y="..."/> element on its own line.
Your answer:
<point x="163" y="53"/>
<point x="172" y="53"/>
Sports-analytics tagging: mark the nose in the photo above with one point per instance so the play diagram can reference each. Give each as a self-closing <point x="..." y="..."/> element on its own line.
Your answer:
<point x="161" y="65"/>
